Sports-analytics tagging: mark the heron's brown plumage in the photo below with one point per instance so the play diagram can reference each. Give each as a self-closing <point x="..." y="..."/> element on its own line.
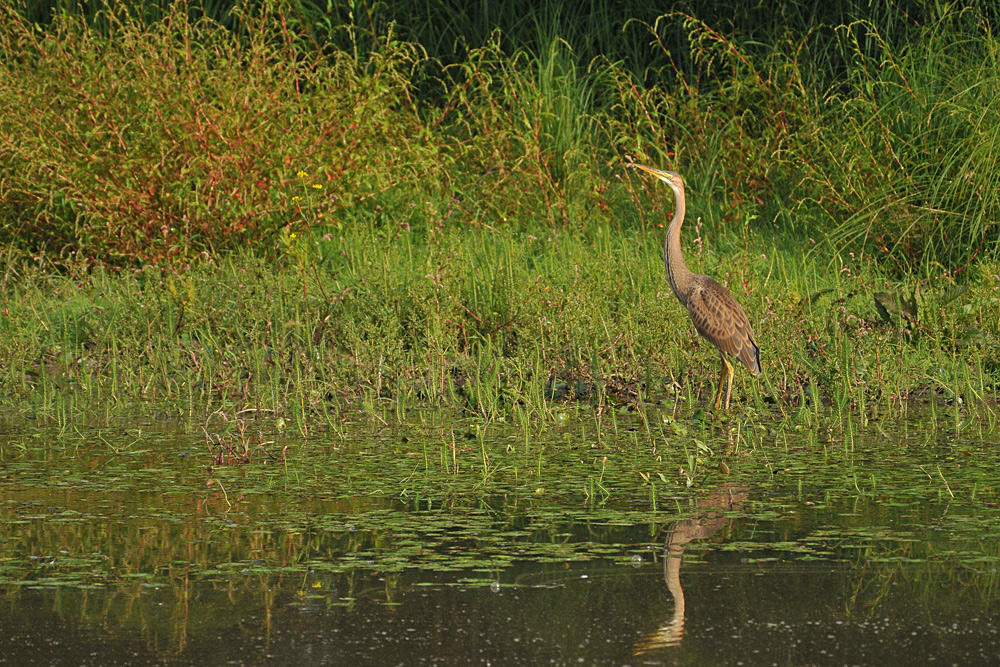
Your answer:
<point x="720" y="320"/>
<point x="716" y="315"/>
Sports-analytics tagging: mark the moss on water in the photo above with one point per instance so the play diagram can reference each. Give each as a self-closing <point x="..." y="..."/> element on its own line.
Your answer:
<point x="99" y="506"/>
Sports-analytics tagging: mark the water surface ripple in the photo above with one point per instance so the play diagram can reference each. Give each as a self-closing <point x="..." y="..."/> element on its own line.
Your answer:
<point x="461" y="543"/>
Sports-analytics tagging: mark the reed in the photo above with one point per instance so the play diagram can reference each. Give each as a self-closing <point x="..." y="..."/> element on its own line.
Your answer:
<point x="510" y="327"/>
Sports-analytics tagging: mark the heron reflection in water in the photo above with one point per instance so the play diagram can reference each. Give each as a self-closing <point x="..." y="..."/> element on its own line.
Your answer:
<point x="716" y="315"/>
<point x="700" y="527"/>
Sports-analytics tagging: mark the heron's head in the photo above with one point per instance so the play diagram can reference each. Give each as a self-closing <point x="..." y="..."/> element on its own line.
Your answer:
<point x="671" y="178"/>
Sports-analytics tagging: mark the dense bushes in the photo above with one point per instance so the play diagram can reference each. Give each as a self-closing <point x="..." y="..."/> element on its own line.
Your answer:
<point x="156" y="136"/>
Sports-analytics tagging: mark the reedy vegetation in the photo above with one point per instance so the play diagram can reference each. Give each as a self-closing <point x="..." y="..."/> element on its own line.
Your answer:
<point x="499" y="324"/>
<point x="298" y="211"/>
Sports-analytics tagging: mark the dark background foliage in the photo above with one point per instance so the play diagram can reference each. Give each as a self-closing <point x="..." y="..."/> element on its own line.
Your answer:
<point x="152" y="131"/>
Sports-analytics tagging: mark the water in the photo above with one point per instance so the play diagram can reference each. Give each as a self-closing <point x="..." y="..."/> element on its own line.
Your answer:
<point x="450" y="544"/>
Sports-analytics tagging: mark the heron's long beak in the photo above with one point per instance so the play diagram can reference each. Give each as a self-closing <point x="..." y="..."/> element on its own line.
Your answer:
<point x="655" y="172"/>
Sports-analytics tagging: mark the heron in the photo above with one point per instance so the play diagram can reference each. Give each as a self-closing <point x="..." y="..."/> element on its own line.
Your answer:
<point x="716" y="315"/>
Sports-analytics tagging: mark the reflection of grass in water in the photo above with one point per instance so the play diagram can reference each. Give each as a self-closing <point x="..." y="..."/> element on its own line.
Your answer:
<point x="346" y="526"/>
<point x="377" y="502"/>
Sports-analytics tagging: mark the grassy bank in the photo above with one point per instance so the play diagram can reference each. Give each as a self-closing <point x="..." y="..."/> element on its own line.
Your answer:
<point x="502" y="324"/>
<point x="303" y="213"/>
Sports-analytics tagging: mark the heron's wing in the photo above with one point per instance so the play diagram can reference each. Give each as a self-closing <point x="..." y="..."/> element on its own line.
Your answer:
<point x="721" y="321"/>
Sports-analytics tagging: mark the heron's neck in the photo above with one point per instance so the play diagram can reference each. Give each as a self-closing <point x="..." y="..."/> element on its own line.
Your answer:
<point x="678" y="273"/>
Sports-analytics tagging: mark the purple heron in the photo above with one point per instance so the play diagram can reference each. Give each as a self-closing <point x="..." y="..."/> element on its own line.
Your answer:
<point x="715" y="313"/>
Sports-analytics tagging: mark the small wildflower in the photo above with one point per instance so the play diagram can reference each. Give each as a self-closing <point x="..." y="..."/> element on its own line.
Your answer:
<point x="296" y="198"/>
<point x="301" y="174"/>
<point x="292" y="235"/>
<point x="317" y="186"/>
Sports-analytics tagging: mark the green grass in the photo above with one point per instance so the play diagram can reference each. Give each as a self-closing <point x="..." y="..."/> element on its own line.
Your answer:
<point x="302" y="213"/>
<point x="503" y="324"/>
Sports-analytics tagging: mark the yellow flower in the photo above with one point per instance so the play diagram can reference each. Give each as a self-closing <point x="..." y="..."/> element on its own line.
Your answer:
<point x="292" y="235"/>
<point x="296" y="198"/>
<point x="317" y="186"/>
<point x="301" y="174"/>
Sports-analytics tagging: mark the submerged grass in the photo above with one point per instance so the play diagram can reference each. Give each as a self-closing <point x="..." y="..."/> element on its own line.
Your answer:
<point x="458" y="496"/>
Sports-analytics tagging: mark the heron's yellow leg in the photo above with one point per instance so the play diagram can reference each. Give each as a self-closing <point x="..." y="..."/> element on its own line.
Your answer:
<point x="723" y="372"/>
<point x="729" y="378"/>
<point x="725" y="382"/>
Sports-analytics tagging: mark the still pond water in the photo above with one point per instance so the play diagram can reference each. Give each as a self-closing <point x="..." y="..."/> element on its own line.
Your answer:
<point x="440" y="541"/>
